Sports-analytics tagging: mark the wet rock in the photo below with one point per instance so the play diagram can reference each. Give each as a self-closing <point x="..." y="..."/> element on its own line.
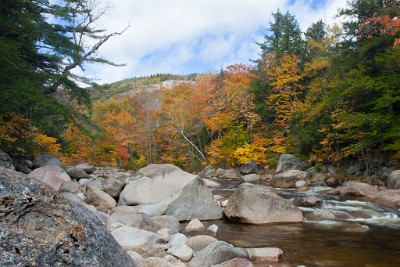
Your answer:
<point x="98" y="198"/>
<point x="265" y="255"/>
<point x="129" y="237"/>
<point x="199" y="242"/>
<point x="213" y="229"/>
<point x="54" y="176"/>
<point x="46" y="160"/>
<point x="357" y="189"/>
<point x="215" y="253"/>
<point x="388" y="198"/>
<point x="307" y="201"/>
<point x="255" y="205"/>
<point x="154" y="188"/>
<point x="288" y="178"/>
<point x="393" y="181"/>
<point x="320" y="215"/>
<point x="289" y="162"/>
<point x="194" y="226"/>
<point x="236" y="262"/>
<point x="195" y="201"/>
<point x="181" y="251"/>
<point x="39" y="227"/>
<point x="248" y="168"/>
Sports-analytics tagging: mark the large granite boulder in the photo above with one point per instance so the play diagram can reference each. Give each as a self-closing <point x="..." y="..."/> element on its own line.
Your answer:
<point x="248" y="168"/>
<point x="255" y="205"/>
<point x="288" y="179"/>
<point x="46" y="160"/>
<point x="393" y="181"/>
<point x="289" y="162"/>
<point x="39" y="227"/>
<point x="129" y="216"/>
<point x="215" y="253"/>
<point x="154" y="187"/>
<point x="6" y="161"/>
<point x="130" y="237"/>
<point x="388" y="198"/>
<point x="195" y="201"/>
<point x="51" y="175"/>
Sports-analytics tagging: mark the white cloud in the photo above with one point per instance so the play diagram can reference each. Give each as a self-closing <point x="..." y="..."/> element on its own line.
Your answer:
<point x="182" y="36"/>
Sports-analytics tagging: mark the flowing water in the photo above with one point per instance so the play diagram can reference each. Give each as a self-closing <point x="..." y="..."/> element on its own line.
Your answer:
<point x="365" y="235"/>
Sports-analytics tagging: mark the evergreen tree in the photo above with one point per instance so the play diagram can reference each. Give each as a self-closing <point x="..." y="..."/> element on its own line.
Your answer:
<point x="41" y="44"/>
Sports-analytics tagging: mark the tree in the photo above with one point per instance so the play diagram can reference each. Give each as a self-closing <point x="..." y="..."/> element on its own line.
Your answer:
<point x="41" y="44"/>
<point x="284" y="37"/>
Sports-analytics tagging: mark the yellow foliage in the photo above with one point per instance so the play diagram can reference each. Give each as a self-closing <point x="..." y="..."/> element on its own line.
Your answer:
<point x="46" y="145"/>
<point x="250" y="152"/>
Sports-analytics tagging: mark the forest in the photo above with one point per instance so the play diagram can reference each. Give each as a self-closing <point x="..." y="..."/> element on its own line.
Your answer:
<point x="329" y="95"/>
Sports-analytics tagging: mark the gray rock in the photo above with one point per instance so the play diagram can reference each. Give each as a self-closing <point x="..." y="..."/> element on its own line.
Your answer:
<point x="181" y="251"/>
<point x="289" y="162"/>
<point x="388" y="198"/>
<point x="76" y="173"/>
<point x="166" y="221"/>
<point x="216" y="253"/>
<point x="248" y="168"/>
<point x="251" y="177"/>
<point x="89" y="169"/>
<point x="155" y="187"/>
<point x="232" y="174"/>
<point x="23" y="166"/>
<point x="177" y="238"/>
<point x="308" y="201"/>
<point x="393" y="181"/>
<point x="288" y="178"/>
<point x="51" y="175"/>
<point x="98" y="198"/>
<point x="199" y="242"/>
<point x="39" y="227"/>
<point x="255" y="205"/>
<point x="236" y="262"/>
<point x="220" y="172"/>
<point x="194" y="225"/>
<point x="6" y="161"/>
<point x="46" y="160"/>
<point x="208" y="172"/>
<point x="195" y="201"/>
<point x="357" y="167"/>
<point x="113" y="187"/>
<point x="72" y="187"/>
<point x="129" y="237"/>
<point x="129" y="216"/>
<point x="265" y="255"/>
<point x="357" y="189"/>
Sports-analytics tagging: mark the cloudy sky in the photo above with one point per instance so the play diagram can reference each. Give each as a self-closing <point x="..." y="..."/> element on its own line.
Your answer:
<point x="194" y="36"/>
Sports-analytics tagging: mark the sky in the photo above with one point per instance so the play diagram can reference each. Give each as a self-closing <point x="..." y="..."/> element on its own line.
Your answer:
<point x="193" y="36"/>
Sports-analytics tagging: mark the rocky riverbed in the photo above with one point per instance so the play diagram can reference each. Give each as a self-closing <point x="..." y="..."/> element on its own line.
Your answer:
<point x="163" y="216"/>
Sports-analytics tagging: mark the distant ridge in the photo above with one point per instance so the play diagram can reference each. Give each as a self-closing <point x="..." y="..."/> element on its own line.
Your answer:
<point x="139" y="84"/>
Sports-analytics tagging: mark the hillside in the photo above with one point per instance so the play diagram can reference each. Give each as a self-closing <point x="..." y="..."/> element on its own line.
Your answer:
<point x="138" y="84"/>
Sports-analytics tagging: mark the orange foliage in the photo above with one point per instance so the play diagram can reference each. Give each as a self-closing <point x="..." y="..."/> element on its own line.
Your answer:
<point x="380" y="25"/>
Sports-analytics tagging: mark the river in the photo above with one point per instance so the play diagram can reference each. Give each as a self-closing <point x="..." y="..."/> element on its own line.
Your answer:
<point x="363" y="234"/>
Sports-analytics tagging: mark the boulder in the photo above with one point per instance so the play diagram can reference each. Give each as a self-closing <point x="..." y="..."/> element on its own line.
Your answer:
<point x="288" y="178"/>
<point x="251" y="177"/>
<point x="136" y="257"/>
<point x="98" y="198"/>
<point x="51" y="175"/>
<point x="39" y="227"/>
<point x="76" y="173"/>
<point x="129" y="216"/>
<point x="211" y="184"/>
<point x="358" y="189"/>
<point x="320" y="215"/>
<point x="255" y="205"/>
<point x="6" y="161"/>
<point x="231" y="174"/>
<point x="236" y="262"/>
<point x="213" y="229"/>
<point x="129" y="237"/>
<point x="220" y="172"/>
<point x="388" y="198"/>
<point x="289" y="162"/>
<point x="177" y="238"/>
<point x="199" y="242"/>
<point x="195" y="201"/>
<point x="166" y="221"/>
<point x="89" y="169"/>
<point x="46" y="160"/>
<point x="72" y="187"/>
<point x="154" y="188"/>
<point x="248" y="168"/>
<point x="265" y="255"/>
<point x="393" y="181"/>
<point x="181" y="251"/>
<point x="208" y="172"/>
<point x="194" y="226"/>
<point x="174" y="262"/>
<point x="113" y="187"/>
<point x="356" y="168"/>
<point x="215" y="253"/>
<point x="156" y="262"/>
<point x="24" y="166"/>
<point x="307" y="201"/>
